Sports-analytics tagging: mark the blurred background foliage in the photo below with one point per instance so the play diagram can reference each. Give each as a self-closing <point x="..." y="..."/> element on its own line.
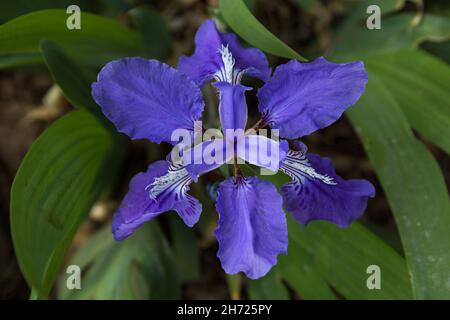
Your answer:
<point x="76" y="172"/>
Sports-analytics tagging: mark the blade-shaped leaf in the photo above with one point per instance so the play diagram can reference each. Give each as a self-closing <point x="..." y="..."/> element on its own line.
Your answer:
<point x="99" y="40"/>
<point x="397" y="32"/>
<point x="342" y="257"/>
<point x="154" y="31"/>
<point x="300" y="273"/>
<point x="74" y="82"/>
<point x="185" y="250"/>
<point x="414" y="187"/>
<point x="239" y="18"/>
<point x="61" y="176"/>
<point x="419" y="83"/>
<point x="140" y="267"/>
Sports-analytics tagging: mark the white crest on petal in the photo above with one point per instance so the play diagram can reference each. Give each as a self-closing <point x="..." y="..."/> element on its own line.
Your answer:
<point x="177" y="180"/>
<point x="297" y="166"/>
<point x="227" y="72"/>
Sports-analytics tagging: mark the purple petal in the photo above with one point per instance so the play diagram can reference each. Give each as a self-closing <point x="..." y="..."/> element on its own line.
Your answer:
<point x="161" y="188"/>
<point x="147" y="98"/>
<point x="252" y="228"/>
<point x="252" y="60"/>
<point x="206" y="62"/>
<point x="232" y="107"/>
<point x="133" y="210"/>
<point x="304" y="97"/>
<point x="207" y="156"/>
<point x="262" y="151"/>
<point x="318" y="193"/>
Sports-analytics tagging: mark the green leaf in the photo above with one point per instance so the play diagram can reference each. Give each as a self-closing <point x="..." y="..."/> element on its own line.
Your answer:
<point x="154" y="31"/>
<point x="185" y="249"/>
<point x="299" y="271"/>
<point x="342" y="256"/>
<point x="241" y="20"/>
<point x="140" y="267"/>
<point x="269" y="287"/>
<point x="438" y="49"/>
<point x="74" y="80"/>
<point x="61" y="176"/>
<point x="10" y="10"/>
<point x="75" y="84"/>
<point x="98" y="41"/>
<point x="19" y="59"/>
<point x="397" y="32"/>
<point x="418" y="81"/>
<point x="413" y="184"/>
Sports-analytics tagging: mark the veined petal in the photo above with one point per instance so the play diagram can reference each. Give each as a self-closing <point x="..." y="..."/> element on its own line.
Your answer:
<point x="169" y="192"/>
<point x="252" y="60"/>
<point x="262" y="151"/>
<point x="220" y="56"/>
<point x="304" y="97"/>
<point x="232" y="106"/>
<point x="147" y="98"/>
<point x="318" y="193"/>
<point x="161" y="188"/>
<point x="133" y="210"/>
<point x="252" y="228"/>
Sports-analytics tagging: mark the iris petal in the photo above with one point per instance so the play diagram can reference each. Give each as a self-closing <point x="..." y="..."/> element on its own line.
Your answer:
<point x="221" y="55"/>
<point x="207" y="156"/>
<point x="304" y="97"/>
<point x="147" y="98"/>
<point x="232" y="107"/>
<point x="163" y="187"/>
<point x="262" y="151"/>
<point x="252" y="228"/>
<point x="318" y="193"/>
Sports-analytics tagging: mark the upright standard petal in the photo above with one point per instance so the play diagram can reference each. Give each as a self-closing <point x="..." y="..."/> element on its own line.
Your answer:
<point x="147" y="98"/>
<point x="318" y="193"/>
<point x="252" y="228"/>
<point x="304" y="97"/>
<point x="220" y="56"/>
<point x="232" y="106"/>
<point x="163" y="187"/>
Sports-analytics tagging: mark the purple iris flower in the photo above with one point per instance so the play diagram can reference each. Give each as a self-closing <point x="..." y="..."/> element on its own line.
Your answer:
<point x="149" y="99"/>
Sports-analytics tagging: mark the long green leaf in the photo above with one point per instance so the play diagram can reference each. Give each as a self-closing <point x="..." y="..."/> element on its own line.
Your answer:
<point x="154" y="31"/>
<point x="300" y="273"/>
<point x="61" y="176"/>
<point x="140" y="267"/>
<point x="75" y="84"/>
<point x="342" y="257"/>
<point x="241" y="20"/>
<point x="99" y="40"/>
<point x="414" y="187"/>
<point x="419" y="83"/>
<point x="397" y="32"/>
